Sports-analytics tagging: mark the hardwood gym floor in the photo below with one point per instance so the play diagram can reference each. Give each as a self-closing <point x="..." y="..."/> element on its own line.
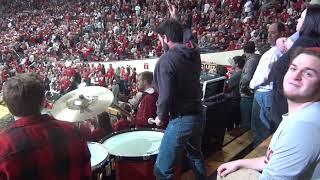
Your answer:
<point x="236" y="145"/>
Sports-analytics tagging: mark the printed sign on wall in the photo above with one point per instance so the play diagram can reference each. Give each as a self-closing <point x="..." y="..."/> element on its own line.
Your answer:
<point x="146" y="66"/>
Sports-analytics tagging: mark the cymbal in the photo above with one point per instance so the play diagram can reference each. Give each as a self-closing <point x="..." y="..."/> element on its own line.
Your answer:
<point x="82" y="104"/>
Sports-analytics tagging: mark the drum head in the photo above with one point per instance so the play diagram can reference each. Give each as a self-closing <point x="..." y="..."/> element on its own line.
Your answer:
<point x="134" y="143"/>
<point x="99" y="154"/>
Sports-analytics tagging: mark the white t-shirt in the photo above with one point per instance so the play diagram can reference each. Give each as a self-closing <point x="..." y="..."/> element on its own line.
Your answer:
<point x="294" y="151"/>
<point x="137" y="9"/>
<point x="248" y="6"/>
<point x="206" y="8"/>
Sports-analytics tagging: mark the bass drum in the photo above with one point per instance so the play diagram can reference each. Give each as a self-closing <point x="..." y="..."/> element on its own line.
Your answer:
<point x="133" y="152"/>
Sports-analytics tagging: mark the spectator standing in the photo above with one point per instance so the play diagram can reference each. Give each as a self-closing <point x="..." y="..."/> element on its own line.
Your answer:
<point x="246" y="93"/>
<point x="261" y="124"/>
<point x="232" y="90"/>
<point x="115" y="91"/>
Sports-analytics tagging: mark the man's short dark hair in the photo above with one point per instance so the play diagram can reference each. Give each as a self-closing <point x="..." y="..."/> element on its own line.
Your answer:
<point x="239" y="61"/>
<point x="249" y="47"/>
<point x="221" y="70"/>
<point x="147" y="75"/>
<point x="281" y="27"/>
<point x="172" y="29"/>
<point x="24" y="94"/>
<point x="312" y="51"/>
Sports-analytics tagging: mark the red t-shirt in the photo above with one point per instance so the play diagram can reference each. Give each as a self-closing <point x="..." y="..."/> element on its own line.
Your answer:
<point x="99" y="68"/>
<point x="110" y="73"/>
<point x="126" y="76"/>
<point x="66" y="84"/>
<point x="101" y="80"/>
<point x="4" y="75"/>
<point x="70" y="72"/>
<point x="120" y="51"/>
<point x="85" y="74"/>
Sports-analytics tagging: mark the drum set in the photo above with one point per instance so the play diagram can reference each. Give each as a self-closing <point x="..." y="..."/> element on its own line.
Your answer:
<point x="122" y="155"/>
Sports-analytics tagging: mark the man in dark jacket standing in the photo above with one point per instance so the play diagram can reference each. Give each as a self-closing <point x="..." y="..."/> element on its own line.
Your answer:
<point x="177" y="75"/>
<point x="252" y="61"/>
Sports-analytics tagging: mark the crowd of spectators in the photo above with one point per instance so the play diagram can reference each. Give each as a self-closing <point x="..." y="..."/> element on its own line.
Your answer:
<point x="117" y="30"/>
<point x="58" y="38"/>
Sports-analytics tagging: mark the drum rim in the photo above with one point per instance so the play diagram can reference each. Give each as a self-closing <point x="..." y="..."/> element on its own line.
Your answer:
<point x="131" y="158"/>
<point x="97" y="166"/>
<point x="129" y="130"/>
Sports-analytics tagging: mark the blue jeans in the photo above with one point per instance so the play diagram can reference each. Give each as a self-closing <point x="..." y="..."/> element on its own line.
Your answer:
<point x="183" y="133"/>
<point x="260" y="117"/>
<point x="246" y="109"/>
<point x="264" y="99"/>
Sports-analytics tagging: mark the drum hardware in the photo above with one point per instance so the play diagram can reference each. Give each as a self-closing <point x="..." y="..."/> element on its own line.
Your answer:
<point x="145" y="157"/>
<point x="112" y="162"/>
<point x="82" y="104"/>
<point x="108" y="168"/>
<point x="152" y="152"/>
<point x="113" y="111"/>
<point x="122" y="111"/>
<point x="100" y="177"/>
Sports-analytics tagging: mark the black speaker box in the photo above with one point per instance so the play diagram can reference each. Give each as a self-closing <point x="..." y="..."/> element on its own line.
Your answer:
<point x="216" y="116"/>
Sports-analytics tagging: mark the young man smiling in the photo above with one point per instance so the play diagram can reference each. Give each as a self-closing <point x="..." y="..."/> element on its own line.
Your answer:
<point x="294" y="151"/>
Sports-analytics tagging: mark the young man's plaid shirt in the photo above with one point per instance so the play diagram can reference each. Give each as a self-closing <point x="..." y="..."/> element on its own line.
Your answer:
<point x="40" y="147"/>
